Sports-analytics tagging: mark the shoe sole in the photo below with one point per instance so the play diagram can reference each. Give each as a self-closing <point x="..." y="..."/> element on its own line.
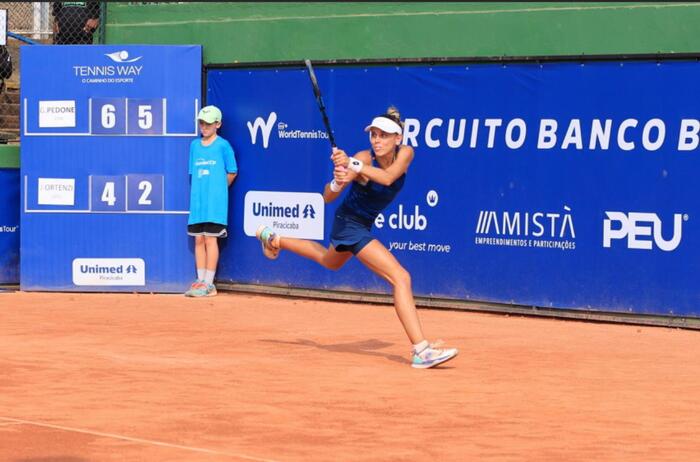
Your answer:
<point x="190" y="292"/>
<point x="212" y="294"/>
<point x="436" y="363"/>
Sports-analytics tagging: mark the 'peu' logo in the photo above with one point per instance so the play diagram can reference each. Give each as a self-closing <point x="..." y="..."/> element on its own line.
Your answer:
<point x="631" y="226"/>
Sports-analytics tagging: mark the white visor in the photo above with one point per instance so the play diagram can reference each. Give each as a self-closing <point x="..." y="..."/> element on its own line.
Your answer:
<point x="385" y="124"/>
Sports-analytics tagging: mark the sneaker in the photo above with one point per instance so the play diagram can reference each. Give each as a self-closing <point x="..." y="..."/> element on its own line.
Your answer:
<point x="205" y="290"/>
<point x="432" y="356"/>
<point x="265" y="235"/>
<point x="195" y="285"/>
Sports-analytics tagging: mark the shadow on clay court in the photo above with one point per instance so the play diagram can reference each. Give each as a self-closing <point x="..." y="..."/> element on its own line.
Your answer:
<point x="52" y="459"/>
<point x="364" y="347"/>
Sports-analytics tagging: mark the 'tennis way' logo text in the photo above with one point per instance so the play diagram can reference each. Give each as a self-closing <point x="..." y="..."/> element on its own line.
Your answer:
<point x="121" y="72"/>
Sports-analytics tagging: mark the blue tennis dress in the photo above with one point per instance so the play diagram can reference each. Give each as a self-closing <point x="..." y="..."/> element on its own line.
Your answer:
<point x="354" y="218"/>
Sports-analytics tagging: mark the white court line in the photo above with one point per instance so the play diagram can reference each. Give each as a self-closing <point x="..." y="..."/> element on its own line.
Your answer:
<point x="134" y="440"/>
<point x="408" y="14"/>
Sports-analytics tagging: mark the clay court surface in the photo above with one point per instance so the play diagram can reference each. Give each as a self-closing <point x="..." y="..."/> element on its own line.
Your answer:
<point x="238" y="377"/>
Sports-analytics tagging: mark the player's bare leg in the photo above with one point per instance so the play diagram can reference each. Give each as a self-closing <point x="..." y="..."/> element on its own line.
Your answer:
<point x="326" y="257"/>
<point x="272" y="243"/>
<point x="377" y="258"/>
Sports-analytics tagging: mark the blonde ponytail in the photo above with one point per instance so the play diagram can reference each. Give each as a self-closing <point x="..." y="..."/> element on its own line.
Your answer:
<point x="393" y="113"/>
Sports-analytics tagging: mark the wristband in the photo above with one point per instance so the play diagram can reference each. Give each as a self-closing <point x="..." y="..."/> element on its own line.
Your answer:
<point x="335" y="187"/>
<point x="355" y="165"/>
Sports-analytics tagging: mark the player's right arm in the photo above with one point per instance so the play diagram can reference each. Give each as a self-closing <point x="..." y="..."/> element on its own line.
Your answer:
<point x="335" y="187"/>
<point x="341" y="178"/>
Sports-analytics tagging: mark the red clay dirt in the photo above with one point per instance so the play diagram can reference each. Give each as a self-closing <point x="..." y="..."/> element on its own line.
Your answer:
<point x="238" y="377"/>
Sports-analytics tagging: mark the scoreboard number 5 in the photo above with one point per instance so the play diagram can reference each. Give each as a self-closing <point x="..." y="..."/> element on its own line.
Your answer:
<point x="145" y="117"/>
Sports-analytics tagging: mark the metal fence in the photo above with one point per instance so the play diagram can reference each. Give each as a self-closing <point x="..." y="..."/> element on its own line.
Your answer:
<point x="31" y="23"/>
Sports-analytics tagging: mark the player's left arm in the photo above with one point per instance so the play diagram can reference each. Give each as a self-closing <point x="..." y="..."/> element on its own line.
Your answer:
<point x="385" y="176"/>
<point x="230" y="177"/>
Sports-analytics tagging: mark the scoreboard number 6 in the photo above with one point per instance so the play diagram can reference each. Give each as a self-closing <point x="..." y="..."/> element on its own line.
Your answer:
<point x="109" y="118"/>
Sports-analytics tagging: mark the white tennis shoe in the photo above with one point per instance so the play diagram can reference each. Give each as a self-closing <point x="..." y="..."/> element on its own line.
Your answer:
<point x="265" y="235"/>
<point x="431" y="356"/>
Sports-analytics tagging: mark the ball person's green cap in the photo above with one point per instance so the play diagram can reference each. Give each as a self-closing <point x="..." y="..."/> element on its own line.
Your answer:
<point x="209" y="114"/>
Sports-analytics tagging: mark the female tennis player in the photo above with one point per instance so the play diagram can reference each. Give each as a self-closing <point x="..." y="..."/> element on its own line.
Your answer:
<point x="376" y="176"/>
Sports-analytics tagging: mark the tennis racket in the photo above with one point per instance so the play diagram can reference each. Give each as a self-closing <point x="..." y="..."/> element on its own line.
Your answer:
<point x="319" y="102"/>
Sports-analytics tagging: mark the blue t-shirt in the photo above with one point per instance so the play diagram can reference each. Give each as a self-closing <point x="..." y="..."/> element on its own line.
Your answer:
<point x="209" y="166"/>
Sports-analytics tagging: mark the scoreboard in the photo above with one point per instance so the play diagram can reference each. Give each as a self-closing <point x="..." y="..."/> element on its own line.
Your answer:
<point x="105" y="142"/>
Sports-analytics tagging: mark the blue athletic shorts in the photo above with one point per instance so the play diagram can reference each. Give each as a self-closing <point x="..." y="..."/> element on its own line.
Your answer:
<point x="349" y="235"/>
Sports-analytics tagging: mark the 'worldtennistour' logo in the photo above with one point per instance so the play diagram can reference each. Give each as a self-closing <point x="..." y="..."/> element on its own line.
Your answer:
<point x="284" y="132"/>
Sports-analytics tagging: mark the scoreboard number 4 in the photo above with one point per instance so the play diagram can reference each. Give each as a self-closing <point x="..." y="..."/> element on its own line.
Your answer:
<point x="108" y="195"/>
<point x="127" y="193"/>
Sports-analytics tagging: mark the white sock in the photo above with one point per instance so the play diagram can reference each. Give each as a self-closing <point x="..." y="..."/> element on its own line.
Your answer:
<point x="209" y="276"/>
<point x="420" y="346"/>
<point x="200" y="273"/>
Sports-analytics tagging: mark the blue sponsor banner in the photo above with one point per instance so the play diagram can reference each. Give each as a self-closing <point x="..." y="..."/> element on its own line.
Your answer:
<point x="566" y="185"/>
<point x="105" y="144"/>
<point x="9" y="226"/>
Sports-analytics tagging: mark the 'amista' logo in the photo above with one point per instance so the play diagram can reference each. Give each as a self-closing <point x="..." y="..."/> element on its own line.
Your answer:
<point x="526" y="229"/>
